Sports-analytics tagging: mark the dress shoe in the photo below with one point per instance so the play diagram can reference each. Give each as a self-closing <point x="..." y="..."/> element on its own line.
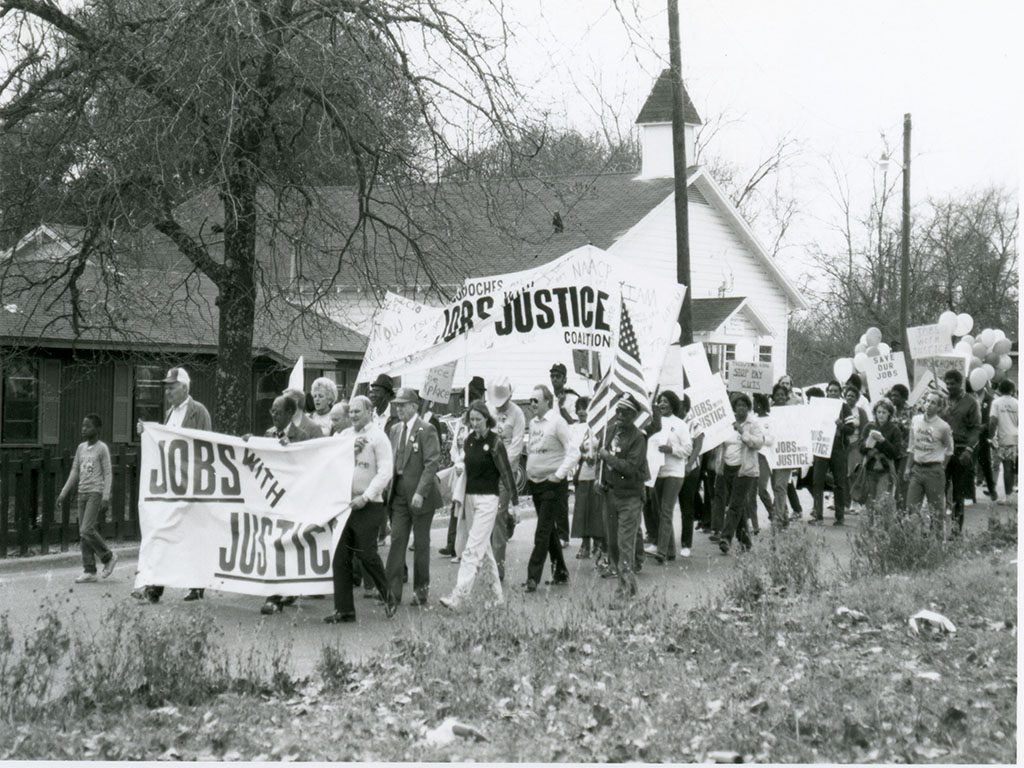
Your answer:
<point x="270" y="607"/>
<point x="531" y="585"/>
<point x="558" y="581"/>
<point x="290" y="600"/>
<point x="390" y="609"/>
<point x="194" y="594"/>
<point x="724" y="546"/>
<point x="446" y="552"/>
<point x="659" y="558"/>
<point x="339" y="618"/>
<point x="714" y="537"/>
<point x="583" y="554"/>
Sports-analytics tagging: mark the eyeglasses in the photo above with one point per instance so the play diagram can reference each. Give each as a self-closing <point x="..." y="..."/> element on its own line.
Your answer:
<point x="534" y="400"/>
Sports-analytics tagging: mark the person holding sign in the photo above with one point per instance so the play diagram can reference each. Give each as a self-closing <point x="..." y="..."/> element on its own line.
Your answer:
<point x="372" y="473"/>
<point x="741" y="468"/>
<point x="486" y="467"/>
<point x="881" y="445"/>
<point x="673" y="440"/>
<point x="929" y="450"/>
<point x="846" y="425"/>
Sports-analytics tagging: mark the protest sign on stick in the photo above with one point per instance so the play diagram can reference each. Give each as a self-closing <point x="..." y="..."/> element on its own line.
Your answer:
<point x="823" y="414"/>
<point x="755" y="378"/>
<point x="710" y="413"/>
<point x="437" y="388"/>
<point x="791" y="429"/>
<point x="884" y="372"/>
<point x="928" y="340"/>
<point x="695" y="363"/>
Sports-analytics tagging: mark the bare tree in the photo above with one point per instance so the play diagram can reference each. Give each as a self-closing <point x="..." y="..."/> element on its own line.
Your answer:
<point x="218" y="125"/>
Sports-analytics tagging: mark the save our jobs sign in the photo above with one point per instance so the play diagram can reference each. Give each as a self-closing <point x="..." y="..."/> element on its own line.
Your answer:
<point x="243" y="516"/>
<point x="884" y="372"/>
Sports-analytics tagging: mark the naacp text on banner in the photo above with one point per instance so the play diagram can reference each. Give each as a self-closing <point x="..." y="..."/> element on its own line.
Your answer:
<point x="253" y="516"/>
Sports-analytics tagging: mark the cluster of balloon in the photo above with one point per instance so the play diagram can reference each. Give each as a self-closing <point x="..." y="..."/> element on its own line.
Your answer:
<point x="989" y="350"/>
<point x="870" y="345"/>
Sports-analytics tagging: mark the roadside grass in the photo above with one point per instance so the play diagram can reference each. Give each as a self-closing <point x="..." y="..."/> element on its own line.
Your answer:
<point x="770" y="670"/>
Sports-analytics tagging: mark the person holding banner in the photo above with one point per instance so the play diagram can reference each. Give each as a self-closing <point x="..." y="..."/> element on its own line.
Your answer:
<point x="551" y="458"/>
<point x="741" y="468"/>
<point x="673" y="440"/>
<point x="928" y="452"/>
<point x="302" y="427"/>
<point x="964" y="418"/>
<point x="566" y="400"/>
<point x="623" y="474"/>
<point x="415" y="494"/>
<point x="486" y="467"/>
<point x="372" y="473"/>
<point x="325" y="394"/>
<point x="187" y="413"/>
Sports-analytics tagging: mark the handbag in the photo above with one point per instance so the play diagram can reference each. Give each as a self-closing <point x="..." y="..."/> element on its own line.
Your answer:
<point x="859" y="487"/>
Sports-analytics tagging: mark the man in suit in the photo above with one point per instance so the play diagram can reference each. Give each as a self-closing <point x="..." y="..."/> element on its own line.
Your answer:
<point x="182" y="411"/>
<point x="302" y="427"/>
<point x="287" y="429"/>
<point x="415" y="494"/>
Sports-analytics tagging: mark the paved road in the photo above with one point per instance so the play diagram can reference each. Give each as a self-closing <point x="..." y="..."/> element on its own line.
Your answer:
<point x="26" y="585"/>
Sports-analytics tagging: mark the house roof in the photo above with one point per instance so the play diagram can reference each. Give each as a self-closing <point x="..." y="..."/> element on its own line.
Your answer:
<point x="708" y="315"/>
<point x="658" y="107"/>
<point x="155" y="309"/>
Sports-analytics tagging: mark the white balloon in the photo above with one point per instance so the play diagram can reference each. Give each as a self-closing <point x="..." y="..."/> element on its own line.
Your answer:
<point x="988" y="337"/>
<point x="873" y="336"/>
<point x="864" y="340"/>
<point x="859" y="348"/>
<point x="1005" y="363"/>
<point x="964" y="348"/>
<point x="969" y="339"/>
<point x="999" y="334"/>
<point x="964" y="323"/>
<point x="948" y="321"/>
<point x="884" y="349"/>
<point x="978" y="378"/>
<point x="989" y="369"/>
<point x="843" y="369"/>
<point x="860" y="362"/>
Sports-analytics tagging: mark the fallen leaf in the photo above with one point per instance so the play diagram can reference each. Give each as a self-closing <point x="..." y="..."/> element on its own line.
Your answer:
<point x="933" y="676"/>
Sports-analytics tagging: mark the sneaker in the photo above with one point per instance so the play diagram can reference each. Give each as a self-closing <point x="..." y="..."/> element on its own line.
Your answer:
<point x="565" y="543"/>
<point x="684" y="552"/>
<point x="650" y="549"/>
<point x="448" y="603"/>
<point x="270" y="607"/>
<point x="108" y="567"/>
<point x="456" y="559"/>
<point x="86" y="578"/>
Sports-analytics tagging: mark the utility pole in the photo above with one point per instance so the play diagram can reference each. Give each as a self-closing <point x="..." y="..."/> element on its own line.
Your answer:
<point x="679" y="170"/>
<point x="905" y="239"/>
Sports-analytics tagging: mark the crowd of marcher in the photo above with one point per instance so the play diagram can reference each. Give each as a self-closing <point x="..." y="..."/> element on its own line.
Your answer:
<point x="929" y="454"/>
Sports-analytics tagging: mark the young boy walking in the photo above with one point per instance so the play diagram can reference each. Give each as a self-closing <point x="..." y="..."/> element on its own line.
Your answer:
<point x="91" y="476"/>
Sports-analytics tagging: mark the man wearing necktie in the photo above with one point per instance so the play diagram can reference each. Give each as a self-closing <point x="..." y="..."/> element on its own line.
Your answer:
<point x="415" y="494"/>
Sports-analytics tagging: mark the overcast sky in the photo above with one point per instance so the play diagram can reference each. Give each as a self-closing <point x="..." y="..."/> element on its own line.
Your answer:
<point x="834" y="75"/>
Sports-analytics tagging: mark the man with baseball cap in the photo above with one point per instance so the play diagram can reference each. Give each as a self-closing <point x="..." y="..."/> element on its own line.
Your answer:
<point x="510" y="424"/>
<point x="623" y="473"/>
<point x="186" y="413"/>
<point x="415" y="494"/>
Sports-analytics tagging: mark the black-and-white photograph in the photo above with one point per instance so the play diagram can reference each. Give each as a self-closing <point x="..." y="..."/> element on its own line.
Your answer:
<point x="509" y="381"/>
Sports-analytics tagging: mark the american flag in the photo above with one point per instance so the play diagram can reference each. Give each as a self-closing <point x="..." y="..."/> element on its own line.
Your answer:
<point x="624" y="376"/>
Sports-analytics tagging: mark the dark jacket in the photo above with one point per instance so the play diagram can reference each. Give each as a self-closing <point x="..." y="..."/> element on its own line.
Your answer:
<point x="627" y="469"/>
<point x="884" y="454"/>
<point x="196" y="416"/>
<point x="964" y="419"/>
<point x="420" y="463"/>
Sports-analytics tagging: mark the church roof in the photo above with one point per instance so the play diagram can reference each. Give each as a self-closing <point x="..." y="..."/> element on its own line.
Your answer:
<point x="658" y="107"/>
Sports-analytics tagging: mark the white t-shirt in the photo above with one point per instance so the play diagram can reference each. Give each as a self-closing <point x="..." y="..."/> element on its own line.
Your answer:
<point x="1005" y="408"/>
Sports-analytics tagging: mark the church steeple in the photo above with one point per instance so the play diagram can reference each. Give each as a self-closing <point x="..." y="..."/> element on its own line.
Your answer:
<point x="655" y="121"/>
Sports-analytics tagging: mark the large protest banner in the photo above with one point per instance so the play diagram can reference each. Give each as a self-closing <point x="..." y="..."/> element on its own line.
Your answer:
<point x="710" y="412"/>
<point x="250" y="516"/>
<point x="884" y="372"/>
<point x="571" y="303"/>
<point x="742" y="376"/>
<point x="823" y="412"/>
<point x="791" y="429"/>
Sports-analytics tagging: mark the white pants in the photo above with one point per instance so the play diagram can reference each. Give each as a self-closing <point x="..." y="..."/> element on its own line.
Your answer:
<point x="481" y="509"/>
<point x="465" y="515"/>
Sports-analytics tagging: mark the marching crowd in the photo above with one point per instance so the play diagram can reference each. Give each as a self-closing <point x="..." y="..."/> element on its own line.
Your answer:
<point x="930" y="454"/>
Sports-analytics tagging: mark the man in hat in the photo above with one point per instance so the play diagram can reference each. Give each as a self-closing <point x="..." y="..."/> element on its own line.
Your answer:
<point x="510" y="424"/>
<point x="184" y="412"/>
<point x="382" y="392"/>
<point x="623" y="474"/>
<point x="565" y="398"/>
<point x="551" y="459"/>
<point x="415" y="494"/>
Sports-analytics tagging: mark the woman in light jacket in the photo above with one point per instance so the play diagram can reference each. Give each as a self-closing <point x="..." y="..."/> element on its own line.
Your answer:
<point x="587" y="518"/>
<point x="674" y="443"/>
<point x="741" y="468"/>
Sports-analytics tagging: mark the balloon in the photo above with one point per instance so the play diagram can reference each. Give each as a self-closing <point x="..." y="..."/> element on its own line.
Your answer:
<point x="988" y="337"/>
<point x="989" y="369"/>
<point x="873" y="336"/>
<point x="842" y="368"/>
<point x="975" y="361"/>
<point x="969" y="339"/>
<point x="871" y="351"/>
<point x="978" y="379"/>
<point x="864" y="340"/>
<point x="1000" y="335"/>
<point x="1005" y="363"/>
<point x="963" y="348"/>
<point x="979" y="349"/>
<point x="1002" y="347"/>
<point x="948" y="321"/>
<point x="884" y="349"/>
<point x="1000" y="375"/>
<point x="964" y="323"/>
<point x="860" y="362"/>
<point x="992" y="358"/>
<point x="859" y="348"/>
